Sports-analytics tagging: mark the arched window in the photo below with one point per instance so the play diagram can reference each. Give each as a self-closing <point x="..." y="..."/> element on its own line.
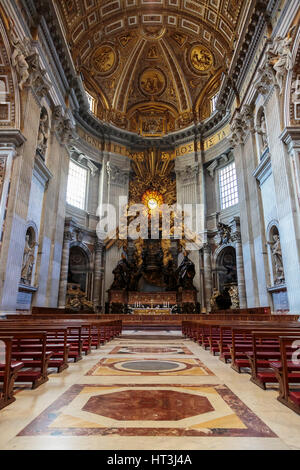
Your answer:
<point x="91" y="101"/>
<point x="214" y="100"/>
<point x="77" y="185"/>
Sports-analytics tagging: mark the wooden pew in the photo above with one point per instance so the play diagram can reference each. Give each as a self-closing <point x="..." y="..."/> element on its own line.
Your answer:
<point x="260" y="358"/>
<point x="288" y="372"/>
<point x="241" y="346"/>
<point x="35" y="363"/>
<point x="8" y="372"/>
<point x="58" y="341"/>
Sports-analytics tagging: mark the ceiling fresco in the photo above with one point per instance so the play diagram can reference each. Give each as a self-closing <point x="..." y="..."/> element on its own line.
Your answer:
<point x="152" y="66"/>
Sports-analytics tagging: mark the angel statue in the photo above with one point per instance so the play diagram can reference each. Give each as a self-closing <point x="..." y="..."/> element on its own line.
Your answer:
<point x="43" y="134"/>
<point x="21" y="50"/>
<point x="281" y="58"/>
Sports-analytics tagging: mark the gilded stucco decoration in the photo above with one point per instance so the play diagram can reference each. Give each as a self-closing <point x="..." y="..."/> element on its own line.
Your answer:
<point x="201" y="58"/>
<point x="152" y="82"/>
<point x="105" y="59"/>
<point x="147" y="63"/>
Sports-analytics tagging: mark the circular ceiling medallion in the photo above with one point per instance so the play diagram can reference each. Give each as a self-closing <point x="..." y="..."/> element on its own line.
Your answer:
<point x="201" y="58"/>
<point x="105" y="59"/>
<point x="152" y="82"/>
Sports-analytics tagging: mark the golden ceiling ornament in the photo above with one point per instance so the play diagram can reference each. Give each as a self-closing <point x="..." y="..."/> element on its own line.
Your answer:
<point x="152" y="199"/>
<point x="153" y="171"/>
<point x="152" y="82"/>
<point x="179" y="38"/>
<point x="152" y="53"/>
<point x="201" y="58"/>
<point x="153" y="32"/>
<point x="105" y="59"/>
<point x="126" y="39"/>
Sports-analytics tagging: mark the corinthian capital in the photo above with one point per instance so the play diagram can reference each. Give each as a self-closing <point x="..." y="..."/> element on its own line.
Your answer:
<point x="264" y="78"/>
<point x="37" y="76"/>
<point x="116" y="175"/>
<point x="238" y="130"/>
<point x="188" y="173"/>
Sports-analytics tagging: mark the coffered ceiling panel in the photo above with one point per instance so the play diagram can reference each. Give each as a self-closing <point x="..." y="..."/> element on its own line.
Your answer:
<point x="151" y="65"/>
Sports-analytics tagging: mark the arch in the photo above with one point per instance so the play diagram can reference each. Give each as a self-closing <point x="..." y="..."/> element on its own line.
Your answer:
<point x="203" y="101"/>
<point x="218" y="251"/>
<point x="29" y="254"/>
<point x="274" y="254"/>
<point x="271" y="225"/>
<point x="79" y="265"/>
<point x="225" y="267"/>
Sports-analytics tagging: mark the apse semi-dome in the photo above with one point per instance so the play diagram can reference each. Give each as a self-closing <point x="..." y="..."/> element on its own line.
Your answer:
<point x="152" y="66"/>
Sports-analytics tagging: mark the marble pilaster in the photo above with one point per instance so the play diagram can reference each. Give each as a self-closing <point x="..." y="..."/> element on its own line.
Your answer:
<point x="98" y="274"/>
<point x="207" y="268"/>
<point x="68" y="237"/>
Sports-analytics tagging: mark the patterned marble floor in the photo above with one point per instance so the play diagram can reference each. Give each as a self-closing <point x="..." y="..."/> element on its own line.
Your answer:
<point x="148" y="391"/>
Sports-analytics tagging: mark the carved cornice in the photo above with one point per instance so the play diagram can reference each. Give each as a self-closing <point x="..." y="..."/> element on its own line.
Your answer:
<point x="11" y="138"/>
<point x="291" y="137"/>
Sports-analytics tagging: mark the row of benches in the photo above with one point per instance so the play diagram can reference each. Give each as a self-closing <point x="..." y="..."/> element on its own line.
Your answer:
<point x="31" y="348"/>
<point x="269" y="350"/>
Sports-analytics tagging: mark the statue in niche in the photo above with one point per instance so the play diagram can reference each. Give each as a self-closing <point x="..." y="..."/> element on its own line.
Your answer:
<point x="43" y="134"/>
<point x="21" y="50"/>
<point x="263" y="132"/>
<point x="121" y="275"/>
<point x="28" y="259"/>
<point x="279" y="277"/>
<point x="186" y="273"/>
<point x="224" y="233"/>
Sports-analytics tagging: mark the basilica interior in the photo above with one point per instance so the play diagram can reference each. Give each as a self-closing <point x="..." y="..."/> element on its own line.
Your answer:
<point x="149" y="197"/>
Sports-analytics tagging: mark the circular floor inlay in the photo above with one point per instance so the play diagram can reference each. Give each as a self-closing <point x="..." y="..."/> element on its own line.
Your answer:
<point x="150" y="365"/>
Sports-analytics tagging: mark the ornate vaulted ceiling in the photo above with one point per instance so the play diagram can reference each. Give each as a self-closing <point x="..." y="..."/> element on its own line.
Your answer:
<point x="151" y="65"/>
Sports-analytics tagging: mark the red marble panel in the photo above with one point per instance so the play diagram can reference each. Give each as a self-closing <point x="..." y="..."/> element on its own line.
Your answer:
<point x="149" y="405"/>
<point x="252" y="425"/>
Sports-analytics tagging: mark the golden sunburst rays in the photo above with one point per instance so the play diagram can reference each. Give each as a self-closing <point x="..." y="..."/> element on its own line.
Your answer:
<point x="153" y="169"/>
<point x="153" y="162"/>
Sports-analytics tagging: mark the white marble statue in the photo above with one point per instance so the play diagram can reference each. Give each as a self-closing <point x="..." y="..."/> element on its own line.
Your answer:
<point x="281" y="58"/>
<point x="21" y="50"/>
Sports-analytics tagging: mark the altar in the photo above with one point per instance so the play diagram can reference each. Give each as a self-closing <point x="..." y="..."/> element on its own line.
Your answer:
<point x="152" y="311"/>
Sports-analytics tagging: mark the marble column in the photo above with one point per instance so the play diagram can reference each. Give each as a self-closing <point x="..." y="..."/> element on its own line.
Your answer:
<point x="237" y="239"/>
<point x="68" y="237"/>
<point x="188" y="193"/>
<point x="98" y="275"/>
<point x="207" y="275"/>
